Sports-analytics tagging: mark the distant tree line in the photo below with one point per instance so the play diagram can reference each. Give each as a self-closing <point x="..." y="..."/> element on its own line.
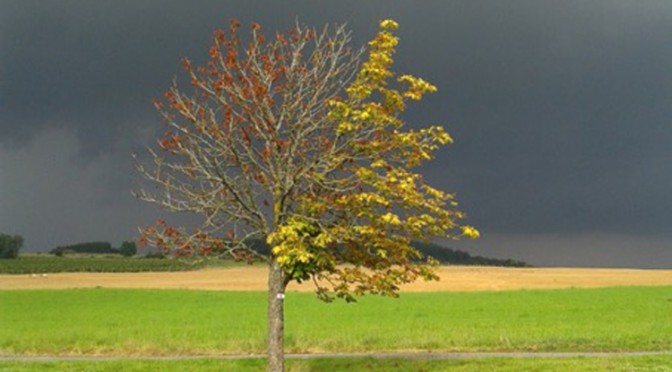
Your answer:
<point x="440" y="253"/>
<point x="88" y="247"/>
<point x="457" y="257"/>
<point x="127" y="248"/>
<point x="10" y="245"/>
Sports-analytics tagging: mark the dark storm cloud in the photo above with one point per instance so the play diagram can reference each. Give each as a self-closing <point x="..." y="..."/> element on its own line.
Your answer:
<point x="561" y="113"/>
<point x="560" y="110"/>
<point x="93" y="66"/>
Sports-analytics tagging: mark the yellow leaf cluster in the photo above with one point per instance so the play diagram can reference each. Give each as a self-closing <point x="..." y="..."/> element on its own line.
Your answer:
<point x="389" y="24"/>
<point x="470" y="232"/>
<point x="289" y="243"/>
<point x="369" y="203"/>
<point x="417" y="87"/>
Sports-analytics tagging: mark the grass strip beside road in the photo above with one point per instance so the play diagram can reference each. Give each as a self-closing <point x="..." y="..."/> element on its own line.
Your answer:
<point x="611" y="363"/>
<point x="174" y="322"/>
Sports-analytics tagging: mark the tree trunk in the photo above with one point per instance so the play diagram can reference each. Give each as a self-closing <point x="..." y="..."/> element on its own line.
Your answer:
<point x="276" y="318"/>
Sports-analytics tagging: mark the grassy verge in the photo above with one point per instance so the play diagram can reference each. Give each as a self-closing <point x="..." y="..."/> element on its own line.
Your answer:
<point x="164" y="322"/>
<point x="631" y="363"/>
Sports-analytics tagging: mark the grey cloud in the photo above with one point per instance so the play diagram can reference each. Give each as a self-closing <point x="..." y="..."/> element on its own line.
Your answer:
<point x="51" y="199"/>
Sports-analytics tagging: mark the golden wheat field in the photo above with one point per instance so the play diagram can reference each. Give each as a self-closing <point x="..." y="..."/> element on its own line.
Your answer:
<point x="253" y="278"/>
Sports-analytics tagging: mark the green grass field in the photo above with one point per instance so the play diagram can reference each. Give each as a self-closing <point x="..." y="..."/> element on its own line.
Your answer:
<point x="632" y="363"/>
<point x="165" y="322"/>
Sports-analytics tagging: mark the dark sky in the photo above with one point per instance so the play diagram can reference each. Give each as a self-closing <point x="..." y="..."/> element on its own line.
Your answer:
<point x="561" y="111"/>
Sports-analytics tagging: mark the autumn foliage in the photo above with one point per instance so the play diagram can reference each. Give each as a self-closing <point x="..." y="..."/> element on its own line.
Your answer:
<point x="289" y="138"/>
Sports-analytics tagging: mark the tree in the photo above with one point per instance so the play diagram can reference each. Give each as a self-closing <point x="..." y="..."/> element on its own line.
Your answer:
<point x="10" y="245"/>
<point x="292" y="141"/>
<point x="128" y="249"/>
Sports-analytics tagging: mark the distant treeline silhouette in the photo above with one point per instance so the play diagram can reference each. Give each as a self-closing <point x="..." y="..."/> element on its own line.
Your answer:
<point x="456" y="257"/>
<point x="443" y="254"/>
<point x="88" y="247"/>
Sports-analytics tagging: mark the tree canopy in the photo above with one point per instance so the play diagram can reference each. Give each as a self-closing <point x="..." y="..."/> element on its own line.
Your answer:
<point x="128" y="249"/>
<point x="10" y="245"/>
<point x="292" y="140"/>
